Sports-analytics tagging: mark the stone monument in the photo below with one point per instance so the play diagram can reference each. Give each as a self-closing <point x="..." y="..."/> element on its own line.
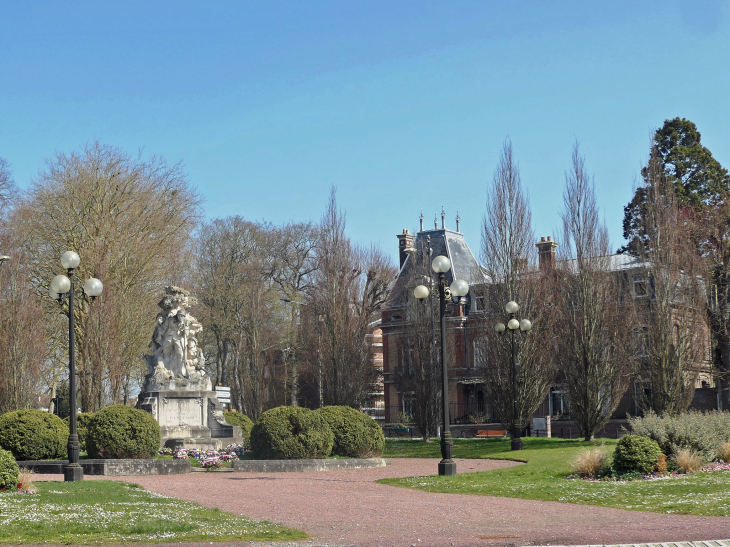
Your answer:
<point x="177" y="391"/>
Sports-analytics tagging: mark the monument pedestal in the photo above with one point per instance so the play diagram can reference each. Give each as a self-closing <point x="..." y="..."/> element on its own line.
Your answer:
<point x="189" y="417"/>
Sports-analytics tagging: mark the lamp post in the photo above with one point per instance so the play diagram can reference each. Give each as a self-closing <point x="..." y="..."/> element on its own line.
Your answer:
<point x="524" y="326"/>
<point x="60" y="286"/>
<point x="455" y="293"/>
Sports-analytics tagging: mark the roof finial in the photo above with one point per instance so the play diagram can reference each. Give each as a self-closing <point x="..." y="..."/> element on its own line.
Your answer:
<point x="458" y="221"/>
<point x="443" y="218"/>
<point x="421" y="218"/>
<point x="435" y="222"/>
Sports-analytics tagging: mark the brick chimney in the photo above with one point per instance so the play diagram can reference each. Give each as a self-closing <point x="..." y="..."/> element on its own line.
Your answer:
<point x="547" y="252"/>
<point x="405" y="241"/>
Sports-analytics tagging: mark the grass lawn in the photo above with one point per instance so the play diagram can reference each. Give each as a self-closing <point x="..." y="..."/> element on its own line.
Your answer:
<point x="115" y="512"/>
<point x="543" y="478"/>
<point x="463" y="448"/>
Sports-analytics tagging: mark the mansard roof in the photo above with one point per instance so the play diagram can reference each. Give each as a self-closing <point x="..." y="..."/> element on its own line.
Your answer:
<point x="443" y="242"/>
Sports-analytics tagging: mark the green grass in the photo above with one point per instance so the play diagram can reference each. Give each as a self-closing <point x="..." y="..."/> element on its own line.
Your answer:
<point x="543" y="478"/>
<point x="115" y="512"/>
<point x="463" y="448"/>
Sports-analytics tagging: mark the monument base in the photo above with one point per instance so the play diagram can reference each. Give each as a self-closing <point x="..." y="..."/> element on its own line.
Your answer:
<point x="191" y="418"/>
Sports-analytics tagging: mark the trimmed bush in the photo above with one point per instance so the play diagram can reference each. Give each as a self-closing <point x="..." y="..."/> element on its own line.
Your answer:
<point x="120" y="431"/>
<point x="701" y="432"/>
<point x="82" y="425"/>
<point x="289" y="433"/>
<point x="241" y="420"/>
<point x="9" y="471"/>
<point x="33" y="435"/>
<point x="636" y="454"/>
<point x="356" y="434"/>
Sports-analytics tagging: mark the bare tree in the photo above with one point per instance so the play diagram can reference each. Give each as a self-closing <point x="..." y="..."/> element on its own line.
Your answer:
<point x="710" y="230"/>
<point x="128" y="219"/>
<point x="594" y="345"/>
<point x="240" y="305"/>
<point x="224" y="248"/>
<point x="510" y="260"/>
<point x="672" y="333"/>
<point x="419" y="377"/>
<point x="348" y="291"/>
<point x="22" y="340"/>
<point x="21" y="319"/>
<point x="7" y="187"/>
<point x="294" y="262"/>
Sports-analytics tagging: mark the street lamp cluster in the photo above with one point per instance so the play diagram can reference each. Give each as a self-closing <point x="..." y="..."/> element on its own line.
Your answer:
<point x="524" y="325"/>
<point x="61" y="286"/>
<point x="455" y="293"/>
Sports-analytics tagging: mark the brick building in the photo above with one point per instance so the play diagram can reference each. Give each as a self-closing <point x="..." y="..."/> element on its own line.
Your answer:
<point x="469" y="407"/>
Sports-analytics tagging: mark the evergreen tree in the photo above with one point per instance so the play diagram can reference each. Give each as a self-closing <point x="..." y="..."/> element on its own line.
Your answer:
<point x="697" y="178"/>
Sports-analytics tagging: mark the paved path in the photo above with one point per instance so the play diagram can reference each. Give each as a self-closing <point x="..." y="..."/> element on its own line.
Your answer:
<point x="348" y="508"/>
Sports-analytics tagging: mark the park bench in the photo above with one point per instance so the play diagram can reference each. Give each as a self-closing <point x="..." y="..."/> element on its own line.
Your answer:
<point x="484" y="433"/>
<point x="401" y="430"/>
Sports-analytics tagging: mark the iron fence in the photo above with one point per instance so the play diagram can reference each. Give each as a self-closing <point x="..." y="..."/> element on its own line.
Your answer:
<point x="459" y="414"/>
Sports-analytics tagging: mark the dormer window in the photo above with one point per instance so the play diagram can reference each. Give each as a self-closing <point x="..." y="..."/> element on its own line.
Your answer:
<point x="640" y="289"/>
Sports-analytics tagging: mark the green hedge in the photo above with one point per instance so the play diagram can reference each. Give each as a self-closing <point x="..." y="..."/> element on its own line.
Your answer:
<point x="356" y="434"/>
<point x="82" y="425"/>
<point x="33" y="435"/>
<point x="120" y="431"/>
<point x="241" y="420"/>
<point x="635" y="454"/>
<point x="701" y="432"/>
<point x="9" y="471"/>
<point x="288" y="432"/>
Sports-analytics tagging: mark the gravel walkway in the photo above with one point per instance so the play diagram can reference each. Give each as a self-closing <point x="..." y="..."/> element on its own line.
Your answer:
<point x="348" y="508"/>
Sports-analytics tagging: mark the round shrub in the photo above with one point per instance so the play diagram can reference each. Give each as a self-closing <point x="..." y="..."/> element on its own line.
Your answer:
<point x="289" y="433"/>
<point x="241" y="420"/>
<point x="9" y="471"/>
<point x="82" y="425"/>
<point x="33" y="435"/>
<point x="636" y="454"/>
<point x="120" y="431"/>
<point x="356" y="434"/>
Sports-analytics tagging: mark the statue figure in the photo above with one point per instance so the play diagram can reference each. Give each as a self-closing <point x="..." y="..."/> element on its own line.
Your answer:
<point x="175" y="351"/>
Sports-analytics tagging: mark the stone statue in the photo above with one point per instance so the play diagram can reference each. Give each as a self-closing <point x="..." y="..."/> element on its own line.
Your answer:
<point x="175" y="351"/>
<point x="177" y="391"/>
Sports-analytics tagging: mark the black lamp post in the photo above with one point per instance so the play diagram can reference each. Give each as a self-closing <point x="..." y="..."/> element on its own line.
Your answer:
<point x="458" y="289"/>
<point x="60" y="286"/>
<point x="513" y="324"/>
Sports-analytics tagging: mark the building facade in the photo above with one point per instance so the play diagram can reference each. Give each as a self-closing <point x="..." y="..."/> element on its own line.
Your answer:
<point x="470" y="408"/>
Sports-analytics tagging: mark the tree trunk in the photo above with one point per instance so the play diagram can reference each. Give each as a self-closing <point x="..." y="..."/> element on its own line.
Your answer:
<point x="723" y="346"/>
<point x="52" y="405"/>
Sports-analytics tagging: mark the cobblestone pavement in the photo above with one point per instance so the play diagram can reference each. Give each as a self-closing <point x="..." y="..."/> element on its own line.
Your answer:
<point x="347" y="508"/>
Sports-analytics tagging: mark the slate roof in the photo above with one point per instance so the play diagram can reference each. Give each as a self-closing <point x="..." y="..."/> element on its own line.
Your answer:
<point x="443" y="242"/>
<point x="616" y="263"/>
<point x="465" y="266"/>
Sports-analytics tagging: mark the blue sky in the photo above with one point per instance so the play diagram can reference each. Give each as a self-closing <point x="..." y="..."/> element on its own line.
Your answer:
<point x="399" y="104"/>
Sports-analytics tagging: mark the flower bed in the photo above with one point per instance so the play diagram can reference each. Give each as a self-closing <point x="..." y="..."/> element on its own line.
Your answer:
<point x="210" y="459"/>
<point x="19" y="489"/>
<point x="707" y="468"/>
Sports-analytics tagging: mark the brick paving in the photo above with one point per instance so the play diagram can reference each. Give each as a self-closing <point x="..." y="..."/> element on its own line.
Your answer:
<point x="347" y="508"/>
